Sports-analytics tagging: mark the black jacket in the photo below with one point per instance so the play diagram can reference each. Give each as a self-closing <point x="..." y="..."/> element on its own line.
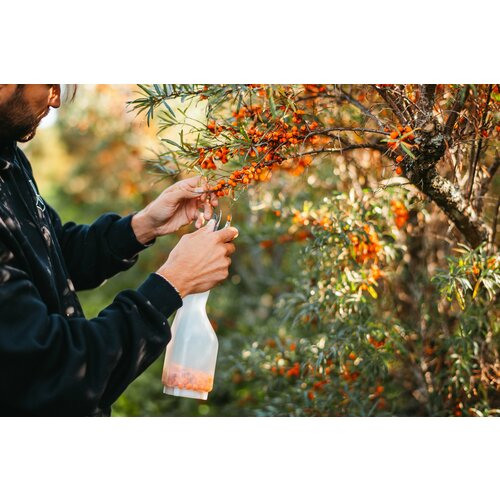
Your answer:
<point x="54" y="361"/>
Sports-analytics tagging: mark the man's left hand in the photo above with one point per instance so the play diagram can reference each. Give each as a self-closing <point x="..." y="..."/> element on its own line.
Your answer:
<point x="177" y="206"/>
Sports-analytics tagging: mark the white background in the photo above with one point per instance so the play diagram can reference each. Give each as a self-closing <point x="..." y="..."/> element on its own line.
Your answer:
<point x="258" y="41"/>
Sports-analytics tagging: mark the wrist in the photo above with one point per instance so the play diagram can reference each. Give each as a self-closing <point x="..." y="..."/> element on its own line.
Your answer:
<point x="143" y="228"/>
<point x="175" y="280"/>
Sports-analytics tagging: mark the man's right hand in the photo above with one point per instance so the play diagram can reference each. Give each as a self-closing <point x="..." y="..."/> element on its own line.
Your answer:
<point x="200" y="260"/>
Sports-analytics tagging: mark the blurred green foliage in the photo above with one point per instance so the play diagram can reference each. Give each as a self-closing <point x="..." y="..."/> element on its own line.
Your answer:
<point x="305" y="327"/>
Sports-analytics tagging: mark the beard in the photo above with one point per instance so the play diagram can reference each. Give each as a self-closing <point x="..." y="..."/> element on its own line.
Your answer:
<point x="18" y="122"/>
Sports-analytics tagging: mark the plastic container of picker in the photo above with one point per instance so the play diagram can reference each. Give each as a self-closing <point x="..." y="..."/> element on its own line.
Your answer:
<point x="189" y="366"/>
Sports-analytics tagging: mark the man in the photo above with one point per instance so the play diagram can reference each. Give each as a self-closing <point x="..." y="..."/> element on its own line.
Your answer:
<point x="54" y="361"/>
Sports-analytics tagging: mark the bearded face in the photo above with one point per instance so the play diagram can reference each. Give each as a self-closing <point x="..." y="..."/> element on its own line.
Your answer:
<point x="22" y="112"/>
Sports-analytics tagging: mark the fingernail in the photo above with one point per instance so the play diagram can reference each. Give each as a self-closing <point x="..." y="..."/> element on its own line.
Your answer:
<point x="211" y="223"/>
<point x="199" y="190"/>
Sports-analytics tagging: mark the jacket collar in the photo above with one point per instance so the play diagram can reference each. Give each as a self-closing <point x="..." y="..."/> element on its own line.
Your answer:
<point x="7" y="151"/>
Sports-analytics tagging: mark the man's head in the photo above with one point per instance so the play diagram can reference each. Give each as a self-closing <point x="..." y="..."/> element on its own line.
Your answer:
<point x="22" y="108"/>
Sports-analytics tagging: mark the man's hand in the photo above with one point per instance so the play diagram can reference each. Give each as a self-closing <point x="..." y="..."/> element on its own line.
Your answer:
<point x="200" y="260"/>
<point x="177" y="206"/>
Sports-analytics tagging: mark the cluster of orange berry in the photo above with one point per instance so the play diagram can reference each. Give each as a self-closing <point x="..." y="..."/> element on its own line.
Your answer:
<point x="191" y="380"/>
<point x="365" y="247"/>
<point x="311" y="219"/>
<point x="375" y="274"/>
<point x="300" y="235"/>
<point x="206" y="162"/>
<point x="400" y="136"/>
<point x="400" y="212"/>
<point x="266" y="146"/>
<point x="294" y="371"/>
<point x="296" y="167"/>
<point x="347" y="373"/>
<point x="314" y="89"/>
<point x="261" y="88"/>
<point x="243" y="176"/>
<point x="376" y="343"/>
<point x="248" y="111"/>
<point x="214" y="128"/>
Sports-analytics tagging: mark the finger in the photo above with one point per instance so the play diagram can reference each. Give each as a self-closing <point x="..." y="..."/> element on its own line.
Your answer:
<point x="194" y="187"/>
<point x="192" y="182"/>
<point x="227" y="234"/>
<point x="230" y="248"/>
<point x="199" y="220"/>
<point x="207" y="210"/>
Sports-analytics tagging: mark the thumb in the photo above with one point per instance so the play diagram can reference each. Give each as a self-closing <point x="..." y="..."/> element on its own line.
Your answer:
<point x="227" y="234"/>
<point x="194" y="186"/>
<point x="187" y="192"/>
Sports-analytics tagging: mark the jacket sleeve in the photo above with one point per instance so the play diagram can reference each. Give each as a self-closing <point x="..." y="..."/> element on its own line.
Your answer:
<point x="54" y="365"/>
<point x="93" y="253"/>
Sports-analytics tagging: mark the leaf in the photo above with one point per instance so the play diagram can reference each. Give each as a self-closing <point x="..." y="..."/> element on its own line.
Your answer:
<point x="407" y="151"/>
<point x="169" y="141"/>
<point x="272" y="105"/>
<point x="476" y="288"/>
<point x="460" y="298"/>
<point x="170" y="110"/>
<point x="144" y="88"/>
<point x="372" y="292"/>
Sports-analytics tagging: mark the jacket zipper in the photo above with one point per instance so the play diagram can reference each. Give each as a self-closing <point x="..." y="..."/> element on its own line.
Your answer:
<point x="40" y="204"/>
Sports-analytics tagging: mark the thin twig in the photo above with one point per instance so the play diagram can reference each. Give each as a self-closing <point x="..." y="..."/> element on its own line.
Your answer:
<point x="392" y="103"/>
<point x="349" y="129"/>
<point x="494" y="227"/>
<point x="348" y="97"/>
<point x="456" y="110"/>
<point x="341" y="150"/>
<point x="485" y="184"/>
<point x="480" y="143"/>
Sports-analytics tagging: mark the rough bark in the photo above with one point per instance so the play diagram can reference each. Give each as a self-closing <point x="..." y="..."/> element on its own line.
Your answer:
<point x="453" y="202"/>
<point x="423" y="174"/>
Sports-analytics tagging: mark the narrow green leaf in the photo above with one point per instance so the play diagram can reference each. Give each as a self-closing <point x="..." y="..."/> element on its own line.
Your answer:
<point x="407" y="151"/>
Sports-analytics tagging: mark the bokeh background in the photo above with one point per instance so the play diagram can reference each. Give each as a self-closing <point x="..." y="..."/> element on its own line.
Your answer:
<point x="401" y="346"/>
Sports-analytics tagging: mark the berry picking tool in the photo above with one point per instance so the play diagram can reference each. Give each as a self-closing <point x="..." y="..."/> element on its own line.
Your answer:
<point x="217" y="219"/>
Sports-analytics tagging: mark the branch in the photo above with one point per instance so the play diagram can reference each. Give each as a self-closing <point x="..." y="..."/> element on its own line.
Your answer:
<point x="495" y="223"/>
<point x="451" y="200"/>
<point x="349" y="147"/>
<point x="425" y="104"/>
<point x="485" y="184"/>
<point x="363" y="109"/>
<point x="393" y="104"/>
<point x="427" y="96"/>
<point x="480" y="143"/>
<point x="456" y="110"/>
<point x="349" y="129"/>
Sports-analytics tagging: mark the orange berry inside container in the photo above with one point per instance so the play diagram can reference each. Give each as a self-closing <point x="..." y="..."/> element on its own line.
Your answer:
<point x="182" y="381"/>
